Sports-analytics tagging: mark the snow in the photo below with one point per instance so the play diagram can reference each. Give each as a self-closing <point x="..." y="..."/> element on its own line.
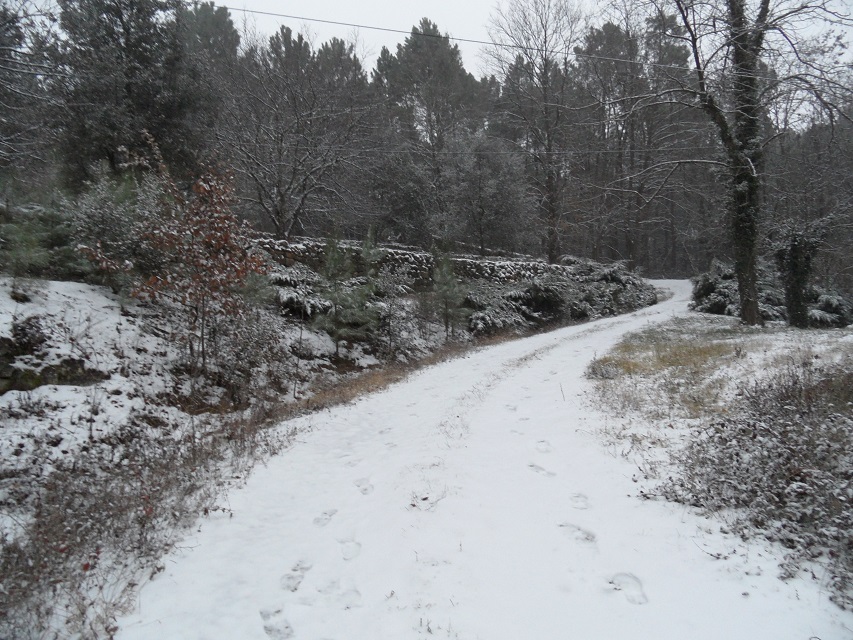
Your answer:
<point x="38" y="428"/>
<point x="475" y="500"/>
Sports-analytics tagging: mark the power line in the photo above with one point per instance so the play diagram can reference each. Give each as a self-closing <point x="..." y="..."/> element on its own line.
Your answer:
<point x="587" y="56"/>
<point x="354" y="25"/>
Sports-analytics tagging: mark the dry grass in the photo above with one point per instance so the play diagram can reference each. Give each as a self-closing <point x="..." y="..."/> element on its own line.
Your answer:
<point x="691" y="370"/>
<point x="690" y="366"/>
<point x="644" y="358"/>
<point x="669" y="371"/>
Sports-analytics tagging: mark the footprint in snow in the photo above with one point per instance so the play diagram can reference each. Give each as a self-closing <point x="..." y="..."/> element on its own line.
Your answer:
<point x="349" y="597"/>
<point x="324" y="518"/>
<point x="290" y="581"/>
<point x="577" y="533"/>
<point x="364" y="486"/>
<point x="630" y="586"/>
<point x="275" y="625"/>
<point x="511" y="407"/>
<point x="578" y="501"/>
<point x="346" y="594"/>
<point x="543" y="446"/>
<point x="350" y="549"/>
<point x="540" y="470"/>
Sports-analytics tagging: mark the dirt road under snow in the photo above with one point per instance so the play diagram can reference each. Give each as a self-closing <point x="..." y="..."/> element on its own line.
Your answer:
<point x="474" y="500"/>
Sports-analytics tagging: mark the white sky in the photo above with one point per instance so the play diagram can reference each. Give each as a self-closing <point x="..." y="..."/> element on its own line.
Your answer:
<point x="458" y="18"/>
<point x="466" y="19"/>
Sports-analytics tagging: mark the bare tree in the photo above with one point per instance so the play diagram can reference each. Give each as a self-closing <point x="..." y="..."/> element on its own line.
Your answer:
<point x="533" y="48"/>
<point x="292" y="125"/>
<point x="747" y="55"/>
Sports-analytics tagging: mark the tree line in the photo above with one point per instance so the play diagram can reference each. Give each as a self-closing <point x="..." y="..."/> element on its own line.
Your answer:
<point x="662" y="134"/>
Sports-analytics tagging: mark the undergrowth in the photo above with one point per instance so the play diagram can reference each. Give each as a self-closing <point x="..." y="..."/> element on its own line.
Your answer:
<point x="785" y="462"/>
<point x="104" y="519"/>
<point x="739" y="427"/>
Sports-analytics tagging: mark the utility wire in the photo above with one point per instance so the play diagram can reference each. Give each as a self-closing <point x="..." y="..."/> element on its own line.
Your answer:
<point x="352" y="24"/>
<point x="587" y="56"/>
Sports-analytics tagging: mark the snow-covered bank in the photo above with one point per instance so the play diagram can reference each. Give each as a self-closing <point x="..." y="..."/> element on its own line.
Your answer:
<point x="473" y="500"/>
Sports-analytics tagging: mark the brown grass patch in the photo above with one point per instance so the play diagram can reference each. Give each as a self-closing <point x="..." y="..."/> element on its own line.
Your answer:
<point x="641" y="358"/>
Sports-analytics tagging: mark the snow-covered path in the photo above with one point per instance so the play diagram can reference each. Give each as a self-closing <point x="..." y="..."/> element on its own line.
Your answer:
<point x="474" y="500"/>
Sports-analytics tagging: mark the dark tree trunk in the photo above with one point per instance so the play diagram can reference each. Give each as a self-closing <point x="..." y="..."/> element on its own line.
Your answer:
<point x="744" y="206"/>
<point x="740" y="135"/>
<point x="552" y="217"/>
<point x="745" y="154"/>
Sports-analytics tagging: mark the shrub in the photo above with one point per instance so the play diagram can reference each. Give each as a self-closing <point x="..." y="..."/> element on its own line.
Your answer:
<point x="785" y="465"/>
<point x="110" y="221"/>
<point x="207" y="259"/>
<point x="28" y="335"/>
<point x="191" y="252"/>
<point x="716" y="292"/>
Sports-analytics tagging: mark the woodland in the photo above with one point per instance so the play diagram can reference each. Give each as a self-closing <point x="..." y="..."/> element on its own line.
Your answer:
<point x="206" y="230"/>
<point x="660" y="134"/>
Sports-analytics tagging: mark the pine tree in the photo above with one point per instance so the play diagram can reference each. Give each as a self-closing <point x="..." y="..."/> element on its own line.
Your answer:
<point x="351" y="316"/>
<point x="124" y="71"/>
<point x="449" y="294"/>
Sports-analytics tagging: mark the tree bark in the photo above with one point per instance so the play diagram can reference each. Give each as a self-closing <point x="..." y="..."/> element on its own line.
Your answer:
<point x="740" y="136"/>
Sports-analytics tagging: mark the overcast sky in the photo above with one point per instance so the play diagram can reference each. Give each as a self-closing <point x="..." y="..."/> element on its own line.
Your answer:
<point x="457" y="18"/>
<point x="466" y="19"/>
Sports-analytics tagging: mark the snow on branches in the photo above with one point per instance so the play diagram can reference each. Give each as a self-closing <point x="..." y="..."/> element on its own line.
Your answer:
<point x="203" y="256"/>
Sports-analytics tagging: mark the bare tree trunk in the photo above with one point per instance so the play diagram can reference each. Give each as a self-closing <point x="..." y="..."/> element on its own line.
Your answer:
<point x="534" y="42"/>
<point x="745" y="207"/>
<point x="552" y="217"/>
<point x="740" y="136"/>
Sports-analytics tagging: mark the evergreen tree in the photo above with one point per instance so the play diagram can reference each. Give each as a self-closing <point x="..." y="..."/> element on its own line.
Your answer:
<point x="449" y="294"/>
<point x="123" y="73"/>
<point x="489" y="194"/>
<point x="430" y="99"/>
<point x="351" y="315"/>
<point x="23" y="41"/>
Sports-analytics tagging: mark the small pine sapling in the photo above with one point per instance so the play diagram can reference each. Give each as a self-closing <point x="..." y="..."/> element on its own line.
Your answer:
<point x="351" y="316"/>
<point x="22" y="254"/>
<point x="449" y="294"/>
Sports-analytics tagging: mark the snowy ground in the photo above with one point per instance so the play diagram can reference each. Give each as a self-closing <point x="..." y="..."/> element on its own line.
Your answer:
<point x="474" y="500"/>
